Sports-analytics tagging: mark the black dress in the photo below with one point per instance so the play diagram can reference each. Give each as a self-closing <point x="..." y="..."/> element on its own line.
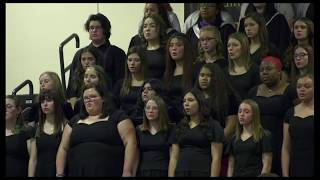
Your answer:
<point x="302" y="145"/>
<point x="154" y="153"/>
<point x="248" y="155"/>
<point x="244" y="82"/>
<point x="156" y="62"/>
<point x="175" y="99"/>
<point x="17" y="156"/>
<point x="97" y="149"/>
<point x="47" y="148"/>
<point x="195" y="149"/>
<point x="258" y="54"/>
<point x="128" y="102"/>
<point x="272" y="112"/>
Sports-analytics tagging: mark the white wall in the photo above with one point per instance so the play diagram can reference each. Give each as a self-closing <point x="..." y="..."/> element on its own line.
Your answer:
<point x="34" y="32"/>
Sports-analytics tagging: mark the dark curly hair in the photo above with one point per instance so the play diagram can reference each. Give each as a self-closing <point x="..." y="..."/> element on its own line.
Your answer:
<point x="104" y="21"/>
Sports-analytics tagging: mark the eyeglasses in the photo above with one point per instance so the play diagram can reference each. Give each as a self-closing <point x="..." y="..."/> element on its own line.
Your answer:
<point x="89" y="98"/>
<point x="91" y="28"/>
<point x="205" y="39"/>
<point x="301" y="55"/>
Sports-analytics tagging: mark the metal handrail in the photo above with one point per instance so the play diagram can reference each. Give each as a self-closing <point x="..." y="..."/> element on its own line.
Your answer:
<point x="20" y="86"/>
<point x="62" y="69"/>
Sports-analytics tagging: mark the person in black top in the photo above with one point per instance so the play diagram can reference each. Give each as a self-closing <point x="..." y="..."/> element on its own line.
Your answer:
<point x="49" y="80"/>
<point x="48" y="135"/>
<point x="113" y="58"/>
<point x="250" y="148"/>
<point x="179" y="75"/>
<point x="256" y="31"/>
<point x="154" y="39"/>
<point x="88" y="56"/>
<point x="18" y="140"/>
<point x="274" y="98"/>
<point x="197" y="141"/>
<point x="128" y="90"/>
<point x="161" y="11"/>
<point x="153" y="135"/>
<point x="100" y="142"/>
<point x="221" y="97"/>
<point x="94" y="74"/>
<point x="242" y="72"/>
<point x="211" y="48"/>
<point x="298" y="133"/>
<point x="213" y="14"/>
<point x="277" y="24"/>
<point x="222" y="100"/>
<point x="302" y="34"/>
<point x="303" y="62"/>
<point x="150" y="88"/>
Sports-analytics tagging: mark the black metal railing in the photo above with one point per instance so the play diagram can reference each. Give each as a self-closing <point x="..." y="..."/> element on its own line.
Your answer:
<point x="20" y="86"/>
<point x="62" y="69"/>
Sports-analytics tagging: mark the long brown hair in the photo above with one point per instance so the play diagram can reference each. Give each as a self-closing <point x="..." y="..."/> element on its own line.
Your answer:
<point x="59" y="118"/>
<point x="262" y="33"/>
<point x="57" y="83"/>
<point x="188" y="59"/>
<point x="245" y="51"/>
<point x="310" y="66"/>
<point x="204" y="115"/>
<point x="294" y="42"/>
<point x="79" y="72"/>
<point x="160" y="25"/>
<point x="126" y="84"/>
<point x="257" y="128"/>
<point x="163" y="119"/>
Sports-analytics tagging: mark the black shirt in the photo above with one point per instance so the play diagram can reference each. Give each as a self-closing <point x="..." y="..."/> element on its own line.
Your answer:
<point x="195" y="146"/>
<point x="244" y="82"/>
<point x="113" y="61"/>
<point x="154" y="150"/>
<point x="128" y="102"/>
<point x="156" y="62"/>
<point x="302" y="144"/>
<point x="248" y="155"/>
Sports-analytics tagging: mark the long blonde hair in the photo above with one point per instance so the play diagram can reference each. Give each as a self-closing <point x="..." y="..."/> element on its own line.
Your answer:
<point x="257" y="128"/>
<point x="57" y="83"/>
<point x="219" y="47"/>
